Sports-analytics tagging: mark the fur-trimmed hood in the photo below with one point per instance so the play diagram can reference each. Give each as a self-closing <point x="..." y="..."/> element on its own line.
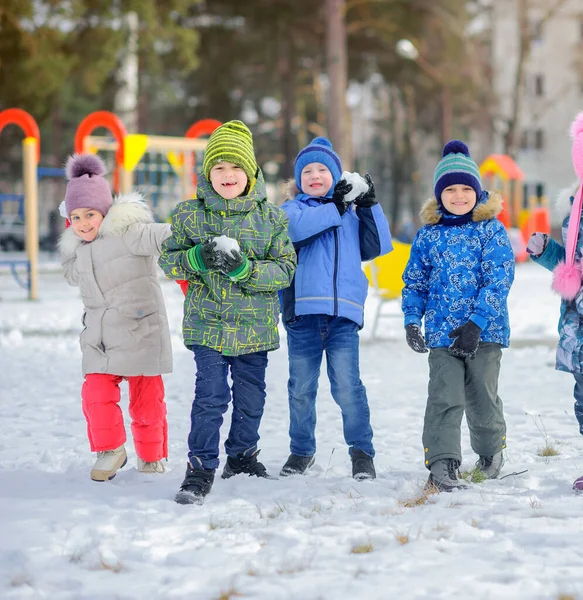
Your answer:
<point x="126" y="210"/>
<point x="562" y="202"/>
<point x="487" y="209"/>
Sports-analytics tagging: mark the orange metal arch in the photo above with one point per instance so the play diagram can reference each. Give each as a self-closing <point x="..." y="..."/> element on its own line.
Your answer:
<point x="202" y="127"/>
<point x="25" y="121"/>
<point x="102" y="118"/>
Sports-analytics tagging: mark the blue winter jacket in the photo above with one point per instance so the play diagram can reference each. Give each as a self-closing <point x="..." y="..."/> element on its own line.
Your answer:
<point x="570" y="348"/>
<point x="458" y="273"/>
<point x="329" y="278"/>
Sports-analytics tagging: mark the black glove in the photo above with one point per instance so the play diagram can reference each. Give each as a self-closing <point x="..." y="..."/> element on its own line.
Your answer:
<point x="340" y="190"/>
<point x="203" y="257"/>
<point x="467" y="338"/>
<point x="368" y="198"/>
<point x="415" y="338"/>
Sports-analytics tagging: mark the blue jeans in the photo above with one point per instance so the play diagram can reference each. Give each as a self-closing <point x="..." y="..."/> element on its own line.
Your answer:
<point x="211" y="400"/>
<point x="308" y="337"/>
<point x="578" y="394"/>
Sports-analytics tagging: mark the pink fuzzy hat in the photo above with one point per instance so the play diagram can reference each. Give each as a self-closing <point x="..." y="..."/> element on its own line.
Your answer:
<point x="568" y="275"/>
<point x="87" y="188"/>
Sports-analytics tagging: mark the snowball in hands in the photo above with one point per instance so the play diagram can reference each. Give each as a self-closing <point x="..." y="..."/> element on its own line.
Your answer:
<point x="359" y="186"/>
<point x="226" y="244"/>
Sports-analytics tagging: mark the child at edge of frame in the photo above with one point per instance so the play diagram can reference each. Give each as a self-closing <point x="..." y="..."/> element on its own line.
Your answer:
<point x="232" y="247"/>
<point x="109" y="252"/>
<point x="457" y="280"/>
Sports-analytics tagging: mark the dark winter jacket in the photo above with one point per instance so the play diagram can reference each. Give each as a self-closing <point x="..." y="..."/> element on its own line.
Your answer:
<point x="329" y="279"/>
<point x="458" y="273"/>
<point x="233" y="318"/>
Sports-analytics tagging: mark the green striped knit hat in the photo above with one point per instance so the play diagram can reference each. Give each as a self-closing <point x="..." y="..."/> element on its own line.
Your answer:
<point x="231" y="142"/>
<point x="456" y="167"/>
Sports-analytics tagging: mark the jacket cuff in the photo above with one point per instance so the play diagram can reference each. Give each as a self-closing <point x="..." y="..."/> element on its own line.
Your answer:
<point x="412" y="319"/>
<point x="242" y="272"/>
<point x="481" y="322"/>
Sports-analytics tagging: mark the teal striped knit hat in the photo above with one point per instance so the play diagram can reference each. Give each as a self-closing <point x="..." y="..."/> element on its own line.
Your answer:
<point x="456" y="167"/>
<point x="231" y="142"/>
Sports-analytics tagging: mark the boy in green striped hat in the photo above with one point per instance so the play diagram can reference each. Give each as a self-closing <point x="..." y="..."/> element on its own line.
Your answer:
<point x="232" y="247"/>
<point x="457" y="280"/>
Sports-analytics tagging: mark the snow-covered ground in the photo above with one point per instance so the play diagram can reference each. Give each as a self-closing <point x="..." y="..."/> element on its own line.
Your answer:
<point x="322" y="536"/>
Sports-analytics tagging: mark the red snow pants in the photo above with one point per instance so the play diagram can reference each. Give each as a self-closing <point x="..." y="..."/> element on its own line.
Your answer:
<point x="105" y="427"/>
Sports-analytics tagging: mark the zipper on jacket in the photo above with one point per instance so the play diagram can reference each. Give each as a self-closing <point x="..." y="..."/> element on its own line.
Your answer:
<point x="335" y="282"/>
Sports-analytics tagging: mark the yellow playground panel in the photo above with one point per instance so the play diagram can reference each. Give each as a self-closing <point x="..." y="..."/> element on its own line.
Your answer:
<point x="385" y="276"/>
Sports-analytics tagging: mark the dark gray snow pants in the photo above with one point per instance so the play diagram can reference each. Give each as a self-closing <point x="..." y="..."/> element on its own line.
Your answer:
<point x="456" y="384"/>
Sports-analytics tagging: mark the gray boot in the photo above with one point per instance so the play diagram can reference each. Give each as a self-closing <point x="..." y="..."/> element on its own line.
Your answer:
<point x="490" y="465"/>
<point x="444" y="476"/>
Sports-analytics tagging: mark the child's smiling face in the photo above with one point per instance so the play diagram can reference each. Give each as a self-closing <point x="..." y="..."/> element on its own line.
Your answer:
<point x="86" y="222"/>
<point x="316" y="179"/>
<point x="228" y="180"/>
<point x="458" y="199"/>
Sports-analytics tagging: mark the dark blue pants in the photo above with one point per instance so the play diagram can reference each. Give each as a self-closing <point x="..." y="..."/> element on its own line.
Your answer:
<point x="211" y="400"/>
<point x="578" y="394"/>
<point x="308" y="337"/>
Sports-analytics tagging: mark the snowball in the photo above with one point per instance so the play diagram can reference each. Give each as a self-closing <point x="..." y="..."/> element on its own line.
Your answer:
<point x="226" y="244"/>
<point x="359" y="185"/>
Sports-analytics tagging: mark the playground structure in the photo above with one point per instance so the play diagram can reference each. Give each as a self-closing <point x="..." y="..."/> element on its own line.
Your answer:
<point x="161" y="167"/>
<point x="520" y="219"/>
<point x="28" y="205"/>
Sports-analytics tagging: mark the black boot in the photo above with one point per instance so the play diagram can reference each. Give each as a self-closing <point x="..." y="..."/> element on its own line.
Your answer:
<point x="196" y="485"/>
<point x="245" y="464"/>
<point x="296" y="465"/>
<point x="362" y="465"/>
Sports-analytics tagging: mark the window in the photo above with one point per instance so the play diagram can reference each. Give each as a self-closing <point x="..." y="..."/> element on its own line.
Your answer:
<point x="539" y="85"/>
<point x="539" y="139"/>
<point x="524" y="140"/>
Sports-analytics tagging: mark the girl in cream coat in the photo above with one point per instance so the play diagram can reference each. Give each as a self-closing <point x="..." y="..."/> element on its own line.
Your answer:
<point x="110" y="253"/>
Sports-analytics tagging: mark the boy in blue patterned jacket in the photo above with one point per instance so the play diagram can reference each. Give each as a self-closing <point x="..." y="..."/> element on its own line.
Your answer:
<point x="458" y="278"/>
<point x="323" y="308"/>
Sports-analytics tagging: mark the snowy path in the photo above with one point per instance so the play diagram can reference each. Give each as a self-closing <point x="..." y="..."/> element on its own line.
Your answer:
<point x="322" y="536"/>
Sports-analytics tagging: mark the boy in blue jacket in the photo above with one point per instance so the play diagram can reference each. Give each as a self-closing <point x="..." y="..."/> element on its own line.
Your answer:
<point x="323" y="308"/>
<point x="458" y="278"/>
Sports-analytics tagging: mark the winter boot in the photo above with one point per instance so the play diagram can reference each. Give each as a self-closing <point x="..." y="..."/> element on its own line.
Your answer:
<point x="296" y="465"/>
<point x="490" y="465"/>
<point x="156" y="466"/>
<point x="578" y="484"/>
<point x="107" y="464"/>
<point x="245" y="464"/>
<point x="196" y="485"/>
<point x="362" y="465"/>
<point x="444" y="476"/>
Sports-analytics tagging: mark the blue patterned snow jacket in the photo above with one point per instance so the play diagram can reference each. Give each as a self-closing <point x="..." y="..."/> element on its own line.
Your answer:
<point x="458" y="273"/>
<point x="570" y="348"/>
<point x="329" y="279"/>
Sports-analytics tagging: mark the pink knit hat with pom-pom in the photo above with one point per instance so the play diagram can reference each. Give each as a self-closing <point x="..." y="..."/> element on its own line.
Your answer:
<point x="87" y="187"/>
<point x="568" y="275"/>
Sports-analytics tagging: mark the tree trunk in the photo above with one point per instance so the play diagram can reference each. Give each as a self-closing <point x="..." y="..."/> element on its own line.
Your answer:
<point x="337" y="69"/>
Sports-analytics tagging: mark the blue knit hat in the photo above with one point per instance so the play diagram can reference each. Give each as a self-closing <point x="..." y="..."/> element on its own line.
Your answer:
<point x="319" y="150"/>
<point x="456" y="167"/>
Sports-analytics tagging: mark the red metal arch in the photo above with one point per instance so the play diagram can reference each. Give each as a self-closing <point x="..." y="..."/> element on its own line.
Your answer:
<point x="108" y="120"/>
<point x="25" y="121"/>
<point x="202" y="127"/>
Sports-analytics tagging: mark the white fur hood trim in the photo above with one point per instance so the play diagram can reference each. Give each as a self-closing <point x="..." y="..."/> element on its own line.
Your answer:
<point x="562" y="203"/>
<point x="126" y="210"/>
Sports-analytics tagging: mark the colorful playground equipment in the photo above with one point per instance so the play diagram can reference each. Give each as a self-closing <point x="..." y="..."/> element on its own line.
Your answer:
<point x="162" y="167"/>
<point x="26" y="206"/>
<point x="520" y="219"/>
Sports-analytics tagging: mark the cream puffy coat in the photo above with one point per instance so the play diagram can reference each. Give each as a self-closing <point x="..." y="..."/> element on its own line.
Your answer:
<point x="125" y="324"/>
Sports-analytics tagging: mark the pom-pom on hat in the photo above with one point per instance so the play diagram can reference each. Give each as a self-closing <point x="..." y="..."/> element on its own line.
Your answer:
<point x="456" y="168"/>
<point x="231" y="142"/>
<point x="319" y="150"/>
<point x="87" y="187"/>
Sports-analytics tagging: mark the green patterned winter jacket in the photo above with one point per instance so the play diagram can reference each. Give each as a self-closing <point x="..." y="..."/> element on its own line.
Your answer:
<point x="232" y="318"/>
